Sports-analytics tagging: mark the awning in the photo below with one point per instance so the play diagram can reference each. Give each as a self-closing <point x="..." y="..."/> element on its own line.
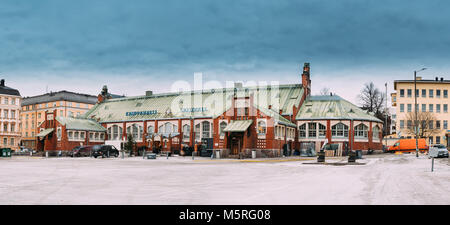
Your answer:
<point x="45" y="132"/>
<point x="238" y="125"/>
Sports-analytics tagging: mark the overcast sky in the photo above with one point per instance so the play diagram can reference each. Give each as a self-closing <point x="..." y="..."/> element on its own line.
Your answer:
<point x="134" y="46"/>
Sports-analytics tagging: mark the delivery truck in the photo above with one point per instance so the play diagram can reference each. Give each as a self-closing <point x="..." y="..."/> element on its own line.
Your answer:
<point x="409" y="145"/>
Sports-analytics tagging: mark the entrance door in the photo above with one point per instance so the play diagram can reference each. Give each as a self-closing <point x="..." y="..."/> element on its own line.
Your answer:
<point x="236" y="145"/>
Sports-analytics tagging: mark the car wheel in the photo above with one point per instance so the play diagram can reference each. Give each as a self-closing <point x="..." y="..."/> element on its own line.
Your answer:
<point x="95" y="156"/>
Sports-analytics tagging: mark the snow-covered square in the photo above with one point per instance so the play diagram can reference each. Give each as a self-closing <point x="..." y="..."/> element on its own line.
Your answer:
<point x="384" y="179"/>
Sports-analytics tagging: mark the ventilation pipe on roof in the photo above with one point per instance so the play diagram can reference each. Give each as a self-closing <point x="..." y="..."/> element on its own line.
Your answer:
<point x="2" y="82"/>
<point x="442" y="79"/>
<point x="437" y="78"/>
<point x="148" y="93"/>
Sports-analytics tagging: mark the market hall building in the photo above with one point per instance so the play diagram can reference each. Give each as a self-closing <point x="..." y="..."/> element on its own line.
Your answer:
<point x="235" y="120"/>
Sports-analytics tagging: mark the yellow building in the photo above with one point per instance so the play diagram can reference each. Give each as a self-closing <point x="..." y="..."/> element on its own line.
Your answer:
<point x="9" y="117"/>
<point x="432" y="96"/>
<point x="65" y="103"/>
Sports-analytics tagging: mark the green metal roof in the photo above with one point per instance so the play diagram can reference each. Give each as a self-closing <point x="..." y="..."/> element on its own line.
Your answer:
<point x="195" y="104"/>
<point x="332" y="107"/>
<point x="238" y="125"/>
<point x="80" y="124"/>
<point x="278" y="119"/>
<point x="45" y="132"/>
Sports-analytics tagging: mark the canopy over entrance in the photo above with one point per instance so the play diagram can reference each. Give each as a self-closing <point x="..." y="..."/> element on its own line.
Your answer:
<point x="45" y="132"/>
<point x="238" y="125"/>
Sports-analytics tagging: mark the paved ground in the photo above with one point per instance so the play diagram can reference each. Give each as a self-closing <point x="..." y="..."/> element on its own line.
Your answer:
<point x="384" y="179"/>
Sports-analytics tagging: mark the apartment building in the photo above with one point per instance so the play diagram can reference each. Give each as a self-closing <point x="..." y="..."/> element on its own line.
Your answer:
<point x="432" y="96"/>
<point x="64" y="103"/>
<point x="9" y="117"/>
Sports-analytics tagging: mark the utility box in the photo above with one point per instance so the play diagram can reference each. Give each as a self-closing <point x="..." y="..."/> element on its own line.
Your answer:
<point x="6" y="152"/>
<point x="253" y="154"/>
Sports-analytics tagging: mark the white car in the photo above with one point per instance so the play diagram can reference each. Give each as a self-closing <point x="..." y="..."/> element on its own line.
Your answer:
<point x="437" y="151"/>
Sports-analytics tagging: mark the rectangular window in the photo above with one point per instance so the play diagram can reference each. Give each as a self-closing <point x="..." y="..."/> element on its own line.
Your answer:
<point x="402" y="93"/>
<point x="424" y="107"/>
<point x="445" y="108"/>
<point x="409" y="107"/>
<point x="445" y="93"/>
<point x="438" y="124"/>
<point x="402" y="107"/>
<point x="430" y="93"/>
<point x="438" y="140"/>
<point x="424" y="93"/>
<point x="438" y="108"/>
<point x="409" y="93"/>
<point x="430" y="107"/>
<point x="430" y="125"/>
<point x="312" y="130"/>
<point x="445" y="124"/>
<point x="438" y="93"/>
<point x="409" y="124"/>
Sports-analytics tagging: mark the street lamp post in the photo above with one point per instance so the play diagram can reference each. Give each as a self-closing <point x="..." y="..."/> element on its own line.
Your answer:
<point x="416" y="127"/>
<point x="386" y="118"/>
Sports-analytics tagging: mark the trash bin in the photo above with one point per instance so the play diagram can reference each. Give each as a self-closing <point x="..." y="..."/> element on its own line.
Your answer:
<point x="217" y="154"/>
<point x="321" y="156"/>
<point x="358" y="154"/>
<point x="151" y="156"/>
<point x="351" y="156"/>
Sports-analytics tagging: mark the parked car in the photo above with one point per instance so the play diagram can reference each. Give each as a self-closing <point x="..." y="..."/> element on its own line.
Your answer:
<point x="80" y="151"/>
<point x="104" y="151"/>
<point x="438" y="151"/>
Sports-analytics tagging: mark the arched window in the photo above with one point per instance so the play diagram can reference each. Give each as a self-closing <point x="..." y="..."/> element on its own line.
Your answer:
<point x="339" y="130"/>
<point x="361" y="131"/>
<point x="150" y="129"/>
<point x="116" y="132"/>
<point x="222" y="126"/>
<point x="197" y="132"/>
<point x="376" y="133"/>
<point x="186" y="131"/>
<point x="168" y="128"/>
<point x="302" y="131"/>
<point x="206" y="129"/>
<point x="262" y="127"/>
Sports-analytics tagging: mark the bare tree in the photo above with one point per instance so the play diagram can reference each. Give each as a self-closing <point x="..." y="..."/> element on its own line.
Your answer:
<point x="426" y="123"/>
<point x="372" y="99"/>
<point x="324" y="91"/>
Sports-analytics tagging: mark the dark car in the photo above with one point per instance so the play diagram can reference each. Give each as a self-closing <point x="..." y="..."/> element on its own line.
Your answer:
<point x="80" y="151"/>
<point x="104" y="151"/>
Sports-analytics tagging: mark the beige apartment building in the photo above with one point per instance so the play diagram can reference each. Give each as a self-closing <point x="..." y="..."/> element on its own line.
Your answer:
<point x="67" y="104"/>
<point x="9" y="117"/>
<point x="432" y="96"/>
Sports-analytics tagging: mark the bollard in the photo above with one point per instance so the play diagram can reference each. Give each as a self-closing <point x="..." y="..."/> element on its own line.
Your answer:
<point x="432" y="164"/>
<point x="46" y="154"/>
<point x="167" y="155"/>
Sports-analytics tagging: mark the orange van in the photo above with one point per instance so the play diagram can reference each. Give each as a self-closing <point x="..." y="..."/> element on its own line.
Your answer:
<point x="409" y="145"/>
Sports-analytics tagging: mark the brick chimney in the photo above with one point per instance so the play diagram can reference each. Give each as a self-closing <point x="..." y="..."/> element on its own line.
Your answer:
<point x="103" y="94"/>
<point x="2" y="82"/>
<point x="306" y="81"/>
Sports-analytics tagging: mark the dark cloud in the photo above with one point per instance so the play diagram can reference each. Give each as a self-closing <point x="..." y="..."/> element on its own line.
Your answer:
<point x="122" y="35"/>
